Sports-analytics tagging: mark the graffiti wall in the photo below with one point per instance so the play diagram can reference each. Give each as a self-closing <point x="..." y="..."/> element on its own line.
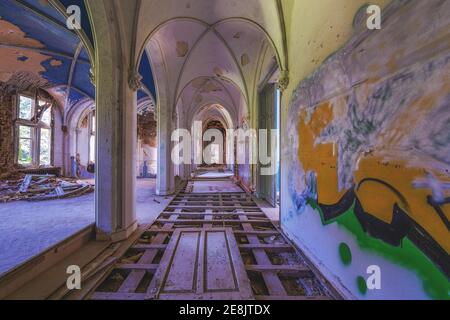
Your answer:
<point x="367" y="157"/>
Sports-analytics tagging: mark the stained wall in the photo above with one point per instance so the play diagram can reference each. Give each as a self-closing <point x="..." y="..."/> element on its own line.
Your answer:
<point x="6" y="134"/>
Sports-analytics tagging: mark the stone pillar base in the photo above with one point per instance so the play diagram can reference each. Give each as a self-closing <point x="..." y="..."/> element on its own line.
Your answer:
<point x="117" y="236"/>
<point x="165" y="192"/>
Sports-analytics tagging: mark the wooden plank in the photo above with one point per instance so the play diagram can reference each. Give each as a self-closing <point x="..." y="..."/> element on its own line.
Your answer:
<point x="208" y="217"/>
<point x="273" y="283"/>
<point x="137" y="266"/>
<point x="211" y="203"/>
<point x="214" y="207"/>
<point x="117" y="296"/>
<point x="201" y="264"/>
<point x="158" y="231"/>
<point x="141" y="246"/>
<point x="298" y="270"/>
<point x="183" y="265"/>
<point x="225" y="214"/>
<point x="230" y="221"/>
<point x="25" y="183"/>
<point x="258" y="233"/>
<point x="134" y="278"/>
<point x="59" y="191"/>
<point x="77" y="192"/>
<point x="212" y="193"/>
<point x="218" y="265"/>
<point x="268" y="247"/>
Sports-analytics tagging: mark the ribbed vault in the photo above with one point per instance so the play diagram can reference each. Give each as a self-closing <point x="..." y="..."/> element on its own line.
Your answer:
<point x="212" y="53"/>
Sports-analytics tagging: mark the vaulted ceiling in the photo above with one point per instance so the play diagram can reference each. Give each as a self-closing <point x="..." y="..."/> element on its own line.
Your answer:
<point x="209" y="53"/>
<point x="37" y="50"/>
<point x="203" y="52"/>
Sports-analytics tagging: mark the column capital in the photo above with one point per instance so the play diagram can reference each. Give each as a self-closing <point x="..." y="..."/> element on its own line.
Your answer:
<point x="283" y="81"/>
<point x="134" y="80"/>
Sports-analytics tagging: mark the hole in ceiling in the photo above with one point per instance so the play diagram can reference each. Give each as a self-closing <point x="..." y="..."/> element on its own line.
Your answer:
<point x="182" y="48"/>
<point x="245" y="59"/>
<point x="198" y="98"/>
<point x="218" y="71"/>
<point x="211" y="87"/>
<point x="237" y="35"/>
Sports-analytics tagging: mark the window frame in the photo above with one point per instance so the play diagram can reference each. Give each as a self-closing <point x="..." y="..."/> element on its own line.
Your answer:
<point x="35" y="125"/>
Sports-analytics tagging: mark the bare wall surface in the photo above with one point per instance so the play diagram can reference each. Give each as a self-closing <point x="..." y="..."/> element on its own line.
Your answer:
<point x="367" y="182"/>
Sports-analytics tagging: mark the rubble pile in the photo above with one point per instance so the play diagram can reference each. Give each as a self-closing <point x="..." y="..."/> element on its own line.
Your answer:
<point x="32" y="187"/>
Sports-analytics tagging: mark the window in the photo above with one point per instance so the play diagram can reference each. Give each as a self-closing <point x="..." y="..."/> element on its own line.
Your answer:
<point x="47" y="116"/>
<point x="92" y="138"/>
<point x="25" y="146"/>
<point x="45" y="147"/>
<point x="215" y="154"/>
<point x="25" y="108"/>
<point x="34" y="132"/>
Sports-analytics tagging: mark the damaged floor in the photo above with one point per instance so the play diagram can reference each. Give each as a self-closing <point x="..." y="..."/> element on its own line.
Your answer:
<point x="217" y="245"/>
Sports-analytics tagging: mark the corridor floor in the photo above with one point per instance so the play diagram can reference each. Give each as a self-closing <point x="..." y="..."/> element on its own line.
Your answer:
<point x="210" y="245"/>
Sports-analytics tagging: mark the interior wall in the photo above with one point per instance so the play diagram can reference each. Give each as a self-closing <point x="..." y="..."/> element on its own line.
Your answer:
<point x="6" y="134"/>
<point x="366" y="145"/>
<point x="83" y="144"/>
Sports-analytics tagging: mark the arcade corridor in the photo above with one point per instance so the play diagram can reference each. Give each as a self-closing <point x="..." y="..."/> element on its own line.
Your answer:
<point x="225" y="150"/>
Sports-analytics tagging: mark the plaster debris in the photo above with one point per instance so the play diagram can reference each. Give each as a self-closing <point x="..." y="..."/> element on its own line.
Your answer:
<point x="41" y="187"/>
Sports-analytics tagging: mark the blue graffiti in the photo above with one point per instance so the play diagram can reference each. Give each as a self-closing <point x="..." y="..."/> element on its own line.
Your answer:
<point x="300" y="199"/>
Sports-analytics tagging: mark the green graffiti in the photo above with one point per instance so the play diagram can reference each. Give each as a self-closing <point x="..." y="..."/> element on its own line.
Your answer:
<point x="409" y="256"/>
<point x="362" y="286"/>
<point x="345" y="254"/>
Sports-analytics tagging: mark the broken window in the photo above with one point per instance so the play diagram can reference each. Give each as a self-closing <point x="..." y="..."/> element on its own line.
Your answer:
<point x="25" y="108"/>
<point x="47" y="116"/>
<point x="34" y="132"/>
<point x="25" y="146"/>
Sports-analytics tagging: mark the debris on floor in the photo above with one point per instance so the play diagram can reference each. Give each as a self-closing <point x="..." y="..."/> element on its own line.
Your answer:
<point x="32" y="187"/>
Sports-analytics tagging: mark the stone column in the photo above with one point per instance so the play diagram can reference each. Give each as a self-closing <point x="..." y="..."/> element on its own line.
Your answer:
<point x="116" y="129"/>
<point x="165" y="184"/>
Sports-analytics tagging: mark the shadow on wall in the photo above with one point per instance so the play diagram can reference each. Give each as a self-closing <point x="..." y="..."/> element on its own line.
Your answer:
<point x="371" y="130"/>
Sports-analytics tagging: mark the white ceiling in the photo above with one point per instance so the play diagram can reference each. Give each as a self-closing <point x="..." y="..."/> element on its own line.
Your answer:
<point x="210" y="52"/>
